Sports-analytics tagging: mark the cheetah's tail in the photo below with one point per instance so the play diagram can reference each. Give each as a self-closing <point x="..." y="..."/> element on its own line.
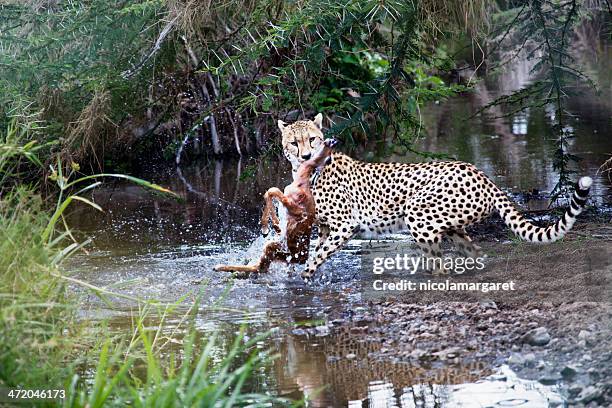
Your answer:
<point x="531" y="233"/>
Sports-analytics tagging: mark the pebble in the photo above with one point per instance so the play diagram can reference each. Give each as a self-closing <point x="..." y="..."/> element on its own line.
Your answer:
<point x="488" y="304"/>
<point x="536" y="337"/>
<point x="529" y="358"/>
<point x="350" y="356"/>
<point x="555" y="401"/>
<point x="516" y="359"/>
<point x="575" y="390"/>
<point x="586" y="336"/>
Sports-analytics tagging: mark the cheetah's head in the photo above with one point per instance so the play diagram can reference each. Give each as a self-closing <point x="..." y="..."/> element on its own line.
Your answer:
<point x="301" y="139"/>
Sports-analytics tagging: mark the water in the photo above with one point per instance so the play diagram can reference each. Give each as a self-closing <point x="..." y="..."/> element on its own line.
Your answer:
<point x="152" y="247"/>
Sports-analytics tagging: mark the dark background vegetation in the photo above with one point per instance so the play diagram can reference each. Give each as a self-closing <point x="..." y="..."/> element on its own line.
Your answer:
<point x="118" y="85"/>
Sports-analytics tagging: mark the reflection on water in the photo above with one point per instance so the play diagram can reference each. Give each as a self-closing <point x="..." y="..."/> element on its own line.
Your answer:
<point x="520" y="122"/>
<point x="344" y="368"/>
<point x="502" y="389"/>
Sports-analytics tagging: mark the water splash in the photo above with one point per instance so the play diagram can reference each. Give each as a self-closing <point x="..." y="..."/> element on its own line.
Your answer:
<point x="254" y="250"/>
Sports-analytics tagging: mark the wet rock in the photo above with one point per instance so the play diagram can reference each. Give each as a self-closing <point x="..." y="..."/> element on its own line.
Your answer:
<point x="593" y="372"/>
<point x="322" y="331"/>
<point x="536" y="337"/>
<point x="516" y="359"/>
<point x="530" y="358"/>
<point x="555" y="401"/>
<point x="569" y="371"/>
<point x="587" y="336"/>
<point x="488" y="304"/>
<point x="550" y="379"/>
<point x="574" y="390"/>
<point x="299" y="332"/>
<point x="589" y="394"/>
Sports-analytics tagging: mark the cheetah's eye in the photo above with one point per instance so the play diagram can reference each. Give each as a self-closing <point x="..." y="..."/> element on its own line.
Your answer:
<point x="312" y="139"/>
<point x="294" y="144"/>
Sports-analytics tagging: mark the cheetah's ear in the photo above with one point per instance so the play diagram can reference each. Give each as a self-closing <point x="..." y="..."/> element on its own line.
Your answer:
<point x="318" y="120"/>
<point x="281" y="125"/>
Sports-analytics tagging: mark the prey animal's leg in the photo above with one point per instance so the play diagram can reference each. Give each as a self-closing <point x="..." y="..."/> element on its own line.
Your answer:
<point x="291" y="206"/>
<point x="237" y="268"/>
<point x="269" y="212"/>
<point x="273" y="251"/>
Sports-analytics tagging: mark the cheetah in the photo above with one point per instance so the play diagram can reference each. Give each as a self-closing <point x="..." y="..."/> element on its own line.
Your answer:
<point x="433" y="200"/>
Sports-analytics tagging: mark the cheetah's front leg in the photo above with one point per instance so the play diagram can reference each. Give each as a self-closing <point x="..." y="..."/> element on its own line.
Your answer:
<point x="323" y="232"/>
<point x="338" y="236"/>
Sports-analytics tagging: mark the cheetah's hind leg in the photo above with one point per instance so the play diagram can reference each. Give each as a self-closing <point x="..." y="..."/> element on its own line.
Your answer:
<point x="429" y="244"/>
<point x="463" y="243"/>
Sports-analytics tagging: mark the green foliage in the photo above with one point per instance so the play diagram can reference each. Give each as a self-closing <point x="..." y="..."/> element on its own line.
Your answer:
<point x="112" y="80"/>
<point x="17" y="145"/>
<point x="32" y="300"/>
<point x="348" y="59"/>
<point x="93" y="69"/>
<point x="56" y="56"/>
